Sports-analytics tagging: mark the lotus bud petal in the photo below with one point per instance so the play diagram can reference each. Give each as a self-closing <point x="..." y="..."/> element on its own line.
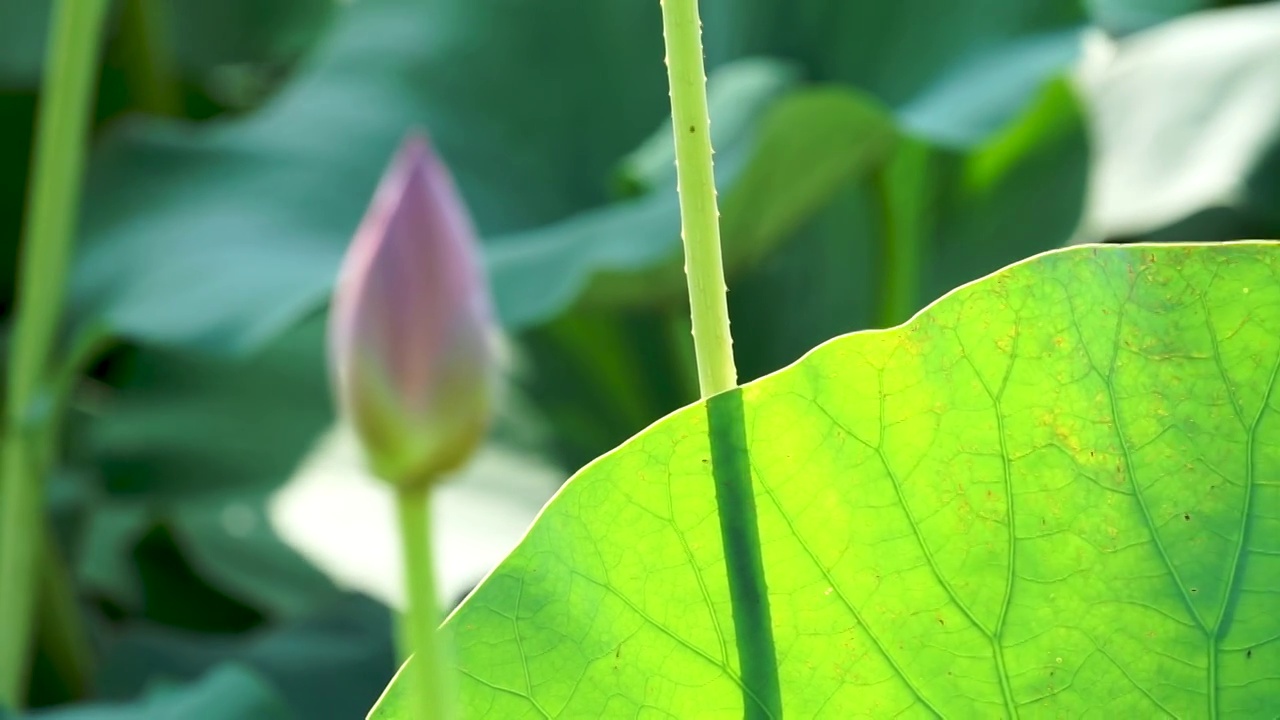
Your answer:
<point x="412" y="339"/>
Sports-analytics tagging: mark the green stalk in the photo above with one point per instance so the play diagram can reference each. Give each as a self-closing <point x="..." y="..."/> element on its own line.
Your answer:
<point x="717" y="376"/>
<point x="61" y="140"/>
<point x="143" y="45"/>
<point x="21" y="543"/>
<point x="904" y="194"/>
<point x="695" y="180"/>
<point x="420" y="636"/>
<point x="61" y="629"/>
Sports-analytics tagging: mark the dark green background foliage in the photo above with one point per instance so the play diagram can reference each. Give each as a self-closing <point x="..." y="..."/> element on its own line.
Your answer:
<point x="237" y="143"/>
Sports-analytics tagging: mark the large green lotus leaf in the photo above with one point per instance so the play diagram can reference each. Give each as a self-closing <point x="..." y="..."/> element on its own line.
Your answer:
<point x="1051" y="493"/>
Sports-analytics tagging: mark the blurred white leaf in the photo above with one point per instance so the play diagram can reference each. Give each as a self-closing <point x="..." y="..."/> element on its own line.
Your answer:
<point x="1180" y="116"/>
<point x="342" y="519"/>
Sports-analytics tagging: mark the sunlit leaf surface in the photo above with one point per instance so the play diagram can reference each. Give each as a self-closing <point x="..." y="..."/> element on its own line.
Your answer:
<point x="1052" y="493"/>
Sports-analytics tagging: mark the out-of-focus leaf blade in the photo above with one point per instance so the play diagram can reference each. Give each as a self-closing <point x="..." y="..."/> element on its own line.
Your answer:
<point x="200" y="444"/>
<point x="327" y="666"/>
<point x="804" y="148"/>
<point x="893" y="50"/>
<point x="738" y="94"/>
<point x="808" y="147"/>
<point x="207" y="35"/>
<point x="972" y="102"/>
<point x="231" y="692"/>
<point x="203" y="36"/>
<point x="220" y="237"/>
<point x="1018" y="194"/>
<point x="537" y="273"/>
<point x="181" y="426"/>
<point x="23" y="28"/>
<point x="823" y="282"/>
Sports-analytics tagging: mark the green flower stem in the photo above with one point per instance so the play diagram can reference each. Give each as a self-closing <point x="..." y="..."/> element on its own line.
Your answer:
<point x="21" y="544"/>
<point x="700" y="219"/>
<point x="713" y="349"/>
<point x="904" y="189"/>
<point x="143" y="44"/>
<point x="420" y="635"/>
<point x="61" y="630"/>
<point x="61" y="140"/>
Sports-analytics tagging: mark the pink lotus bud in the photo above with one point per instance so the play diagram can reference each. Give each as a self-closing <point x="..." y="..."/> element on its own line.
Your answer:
<point x="412" y="341"/>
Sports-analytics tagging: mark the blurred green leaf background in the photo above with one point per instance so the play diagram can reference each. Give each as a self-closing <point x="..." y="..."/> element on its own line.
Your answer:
<point x="870" y="155"/>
